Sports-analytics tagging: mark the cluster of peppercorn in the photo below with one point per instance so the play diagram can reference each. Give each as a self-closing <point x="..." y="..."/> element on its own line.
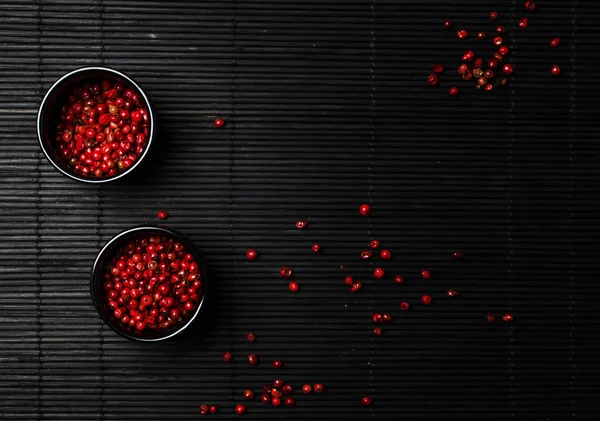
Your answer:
<point x="152" y="284"/>
<point x="473" y="68"/>
<point x="103" y="129"/>
<point x="273" y="395"/>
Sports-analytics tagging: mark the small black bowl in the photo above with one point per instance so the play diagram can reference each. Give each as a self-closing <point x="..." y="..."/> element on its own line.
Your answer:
<point x="97" y="282"/>
<point x="49" y="115"/>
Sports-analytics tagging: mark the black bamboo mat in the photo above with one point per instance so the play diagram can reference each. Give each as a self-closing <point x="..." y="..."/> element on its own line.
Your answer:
<point x="326" y="107"/>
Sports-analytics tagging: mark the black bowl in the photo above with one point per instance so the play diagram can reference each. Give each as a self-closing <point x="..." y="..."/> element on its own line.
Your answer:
<point x="97" y="283"/>
<point x="49" y="111"/>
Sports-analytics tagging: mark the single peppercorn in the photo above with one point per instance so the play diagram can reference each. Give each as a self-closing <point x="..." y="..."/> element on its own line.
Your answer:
<point x="253" y="359"/>
<point x="162" y="214"/>
<point x="555" y="70"/>
<point x="432" y="79"/>
<point x="425" y="274"/>
<point x="453" y="91"/>
<point x="289" y="401"/>
<point x="251" y="254"/>
<point x="301" y="224"/>
<point x="447" y="24"/>
<point x="318" y="388"/>
<point x="316" y="248"/>
<point x="219" y="122"/>
<point x="356" y="286"/>
<point x="523" y="23"/>
<point x="426" y="299"/>
<point x="555" y="42"/>
<point x="213" y="409"/>
<point x="250" y="337"/>
<point x="399" y="279"/>
<point x="507" y="69"/>
<point x="481" y="35"/>
<point x="377" y="331"/>
<point x="462" y="33"/>
<point x="227" y="356"/>
<point x="285" y="272"/>
<point x="277" y="364"/>
<point x="365" y="210"/>
<point x="365" y="255"/>
<point x="240" y="409"/>
<point x="306" y="388"/>
<point x="366" y="401"/>
<point x="203" y="409"/>
<point x="248" y="394"/>
<point x="293" y="287"/>
<point x="374" y="244"/>
<point x="493" y="15"/>
<point x="404" y="306"/>
<point x="378" y="273"/>
<point x="507" y="317"/>
<point x="386" y="254"/>
<point x="437" y="68"/>
<point x="349" y="280"/>
<point x="530" y="5"/>
<point x="491" y="318"/>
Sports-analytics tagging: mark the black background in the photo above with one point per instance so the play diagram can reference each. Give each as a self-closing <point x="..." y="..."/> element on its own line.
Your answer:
<point x="326" y="107"/>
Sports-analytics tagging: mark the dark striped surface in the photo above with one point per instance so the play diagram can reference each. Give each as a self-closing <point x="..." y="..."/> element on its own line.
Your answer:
<point x="326" y="108"/>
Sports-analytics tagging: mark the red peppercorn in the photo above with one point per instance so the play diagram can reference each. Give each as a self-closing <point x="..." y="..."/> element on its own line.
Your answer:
<point x="387" y="317"/>
<point x="437" y="68"/>
<point x="481" y="35"/>
<point x="306" y="388"/>
<point x="426" y="299"/>
<point x="227" y="356"/>
<point x="530" y="5"/>
<point x="287" y="389"/>
<point x="374" y="244"/>
<point x="265" y="398"/>
<point x="240" y="409"/>
<point x="365" y="210"/>
<point x="507" y="69"/>
<point x="493" y="63"/>
<point x="478" y="63"/>
<point x="301" y="224"/>
<point x="253" y="359"/>
<point x="462" y="33"/>
<point x="318" y="388"/>
<point x="453" y="91"/>
<point x="507" y="317"/>
<point x="555" y="42"/>
<point x="498" y="41"/>
<point x="500" y="29"/>
<point x="277" y="364"/>
<point x="203" y="409"/>
<point x="523" y="23"/>
<point x="377" y="331"/>
<point x="289" y="401"/>
<point x="377" y="318"/>
<point x="489" y="87"/>
<point x="447" y="24"/>
<point x="366" y="401"/>
<point x="457" y="255"/>
<point x="251" y="254"/>
<point x="214" y="409"/>
<point x="555" y="70"/>
<point x="491" y="318"/>
<point x="386" y="254"/>
<point x="356" y="286"/>
<point x="462" y="69"/>
<point x="163" y="214"/>
<point x="378" y="273"/>
<point x="285" y="272"/>
<point x="293" y="287"/>
<point x="250" y="337"/>
<point x="404" y="306"/>
<point x="493" y="15"/>
<point x="276" y="401"/>
<point x="452" y="293"/>
<point x="469" y="56"/>
<point x="425" y="274"/>
<point x="349" y="280"/>
<point x="219" y="122"/>
<point x="365" y="255"/>
<point x="316" y="248"/>
<point x="278" y="383"/>
<point x="432" y="79"/>
<point x="503" y="50"/>
<point x="248" y="394"/>
<point x="399" y="279"/>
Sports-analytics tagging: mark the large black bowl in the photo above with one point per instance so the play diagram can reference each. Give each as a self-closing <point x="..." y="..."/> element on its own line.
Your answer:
<point x="97" y="283"/>
<point x="48" y="116"/>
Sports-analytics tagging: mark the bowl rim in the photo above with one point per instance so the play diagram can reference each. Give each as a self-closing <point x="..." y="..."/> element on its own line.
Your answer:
<point x="55" y="85"/>
<point x="113" y="242"/>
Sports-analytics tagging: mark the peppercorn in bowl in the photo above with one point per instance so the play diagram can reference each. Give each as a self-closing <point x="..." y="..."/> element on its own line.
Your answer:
<point x="149" y="283"/>
<point x="95" y="125"/>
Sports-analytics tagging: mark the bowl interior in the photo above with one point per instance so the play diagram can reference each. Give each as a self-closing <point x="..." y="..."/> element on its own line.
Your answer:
<point x="97" y="282"/>
<point x="49" y="116"/>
